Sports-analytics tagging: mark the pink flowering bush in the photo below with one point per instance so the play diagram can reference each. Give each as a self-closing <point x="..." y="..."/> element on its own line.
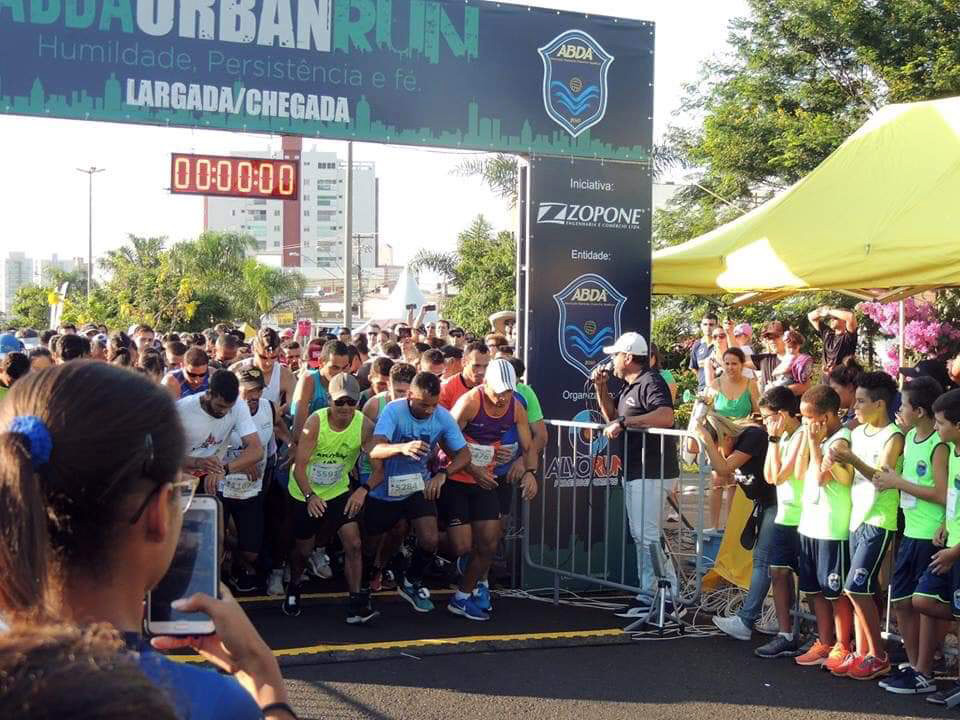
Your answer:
<point x="924" y="334"/>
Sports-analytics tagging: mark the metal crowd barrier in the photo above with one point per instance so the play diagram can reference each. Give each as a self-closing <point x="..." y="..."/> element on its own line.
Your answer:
<point x="583" y="501"/>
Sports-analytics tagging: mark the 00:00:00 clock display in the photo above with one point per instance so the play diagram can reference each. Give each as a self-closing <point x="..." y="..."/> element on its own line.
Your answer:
<point x="234" y="176"/>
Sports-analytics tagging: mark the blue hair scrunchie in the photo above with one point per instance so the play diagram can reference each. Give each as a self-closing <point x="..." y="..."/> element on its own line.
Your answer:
<point x="38" y="438"/>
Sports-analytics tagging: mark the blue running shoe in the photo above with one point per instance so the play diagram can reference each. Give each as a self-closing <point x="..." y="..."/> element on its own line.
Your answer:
<point x="415" y="594"/>
<point x="467" y="608"/>
<point x="481" y="596"/>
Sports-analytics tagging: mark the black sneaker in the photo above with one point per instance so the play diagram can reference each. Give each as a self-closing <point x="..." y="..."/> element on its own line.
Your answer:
<point x="360" y="611"/>
<point x="243" y="582"/>
<point x="779" y="647"/>
<point x="941" y="697"/>
<point x="895" y="674"/>
<point x="291" y="603"/>
<point x="911" y="682"/>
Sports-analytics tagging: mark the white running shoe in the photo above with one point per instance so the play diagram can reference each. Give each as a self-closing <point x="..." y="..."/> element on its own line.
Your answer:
<point x="275" y="583"/>
<point x="733" y="626"/>
<point x="318" y="564"/>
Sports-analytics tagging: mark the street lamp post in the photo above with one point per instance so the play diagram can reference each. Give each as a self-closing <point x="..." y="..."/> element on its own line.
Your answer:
<point x="90" y="172"/>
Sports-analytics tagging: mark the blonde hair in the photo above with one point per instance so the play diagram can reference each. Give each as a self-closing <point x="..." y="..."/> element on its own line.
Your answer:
<point x="723" y="427"/>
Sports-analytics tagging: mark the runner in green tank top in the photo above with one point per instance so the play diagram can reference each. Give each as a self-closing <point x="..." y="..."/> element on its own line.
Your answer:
<point x="936" y="594"/>
<point x="922" y="486"/>
<point x="320" y="499"/>
<point x="876" y="443"/>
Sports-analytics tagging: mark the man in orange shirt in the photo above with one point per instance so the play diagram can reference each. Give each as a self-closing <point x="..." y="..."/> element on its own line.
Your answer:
<point x="476" y="357"/>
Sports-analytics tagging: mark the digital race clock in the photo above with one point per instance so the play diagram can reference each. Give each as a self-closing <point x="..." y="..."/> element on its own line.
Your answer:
<point x="234" y="176"/>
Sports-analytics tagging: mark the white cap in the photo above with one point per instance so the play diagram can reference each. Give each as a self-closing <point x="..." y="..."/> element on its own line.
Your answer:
<point x="500" y="376"/>
<point x="630" y="342"/>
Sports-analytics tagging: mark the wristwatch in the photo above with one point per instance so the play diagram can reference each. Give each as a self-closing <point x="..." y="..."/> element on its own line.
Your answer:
<point x="306" y="498"/>
<point x="531" y="471"/>
<point x="774" y="439"/>
<point x="622" y="422"/>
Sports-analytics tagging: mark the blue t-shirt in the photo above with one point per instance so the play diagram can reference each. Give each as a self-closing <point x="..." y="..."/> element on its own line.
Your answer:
<point x="398" y="425"/>
<point x="197" y="693"/>
<point x="698" y="356"/>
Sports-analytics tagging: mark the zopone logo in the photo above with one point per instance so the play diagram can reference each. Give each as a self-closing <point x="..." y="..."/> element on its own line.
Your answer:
<point x="589" y="216"/>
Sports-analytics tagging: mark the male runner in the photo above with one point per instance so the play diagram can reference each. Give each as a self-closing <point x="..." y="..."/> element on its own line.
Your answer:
<point x="407" y="433"/>
<point x="470" y="504"/>
<point x="208" y="419"/>
<point x="452" y="361"/>
<point x="476" y="357"/>
<point x="432" y="361"/>
<point x="379" y="380"/>
<point x="310" y="393"/>
<point x="193" y="378"/>
<point x="875" y="443"/>
<point x="279" y="382"/>
<point x="225" y="351"/>
<point x="320" y="496"/>
<point x="174" y="350"/>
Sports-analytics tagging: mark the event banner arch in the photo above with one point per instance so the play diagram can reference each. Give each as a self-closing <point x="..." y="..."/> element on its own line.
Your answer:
<point x="433" y="73"/>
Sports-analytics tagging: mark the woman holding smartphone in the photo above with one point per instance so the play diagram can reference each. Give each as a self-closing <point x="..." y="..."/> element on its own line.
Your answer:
<point x="92" y="503"/>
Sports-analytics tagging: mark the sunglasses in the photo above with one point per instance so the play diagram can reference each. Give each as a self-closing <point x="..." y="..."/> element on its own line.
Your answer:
<point x="344" y="401"/>
<point x="195" y="376"/>
<point x="717" y="336"/>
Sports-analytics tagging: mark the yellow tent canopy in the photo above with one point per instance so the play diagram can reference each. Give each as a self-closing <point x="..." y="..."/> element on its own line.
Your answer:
<point x="879" y="218"/>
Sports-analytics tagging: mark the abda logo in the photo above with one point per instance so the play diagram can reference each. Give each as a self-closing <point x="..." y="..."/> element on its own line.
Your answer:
<point x="589" y="295"/>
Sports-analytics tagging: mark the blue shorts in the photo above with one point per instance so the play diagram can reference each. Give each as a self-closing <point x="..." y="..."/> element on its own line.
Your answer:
<point x="823" y="566"/>
<point x="868" y="545"/>
<point x="913" y="557"/>
<point x="944" y="588"/>
<point x="785" y="547"/>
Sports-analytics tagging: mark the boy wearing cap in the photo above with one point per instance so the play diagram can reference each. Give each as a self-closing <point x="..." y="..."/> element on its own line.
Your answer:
<point x="469" y="502"/>
<point x="643" y="402"/>
<point x="320" y="496"/>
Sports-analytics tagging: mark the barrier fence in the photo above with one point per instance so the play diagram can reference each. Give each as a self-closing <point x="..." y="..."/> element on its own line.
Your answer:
<point x="591" y="525"/>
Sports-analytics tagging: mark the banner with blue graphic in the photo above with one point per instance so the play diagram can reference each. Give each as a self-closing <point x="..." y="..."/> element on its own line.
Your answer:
<point x="586" y="275"/>
<point x="453" y="73"/>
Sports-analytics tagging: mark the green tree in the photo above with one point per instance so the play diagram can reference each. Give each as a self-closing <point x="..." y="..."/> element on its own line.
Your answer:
<point x="485" y="274"/>
<point x="31" y="307"/>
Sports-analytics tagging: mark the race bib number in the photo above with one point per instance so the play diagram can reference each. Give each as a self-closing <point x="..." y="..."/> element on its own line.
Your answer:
<point x="403" y="485"/>
<point x="325" y="473"/>
<point x="907" y="501"/>
<point x="481" y="455"/>
<point x="952" y="500"/>
<point x="237" y="486"/>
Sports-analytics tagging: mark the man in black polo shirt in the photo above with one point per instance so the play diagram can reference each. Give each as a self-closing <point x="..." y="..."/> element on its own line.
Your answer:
<point x="838" y="330"/>
<point x="643" y="402"/>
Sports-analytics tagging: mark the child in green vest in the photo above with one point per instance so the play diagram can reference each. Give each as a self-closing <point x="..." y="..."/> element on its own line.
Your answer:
<point x="875" y="443"/>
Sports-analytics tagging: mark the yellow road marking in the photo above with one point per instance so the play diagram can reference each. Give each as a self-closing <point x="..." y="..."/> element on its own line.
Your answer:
<point x="429" y="642"/>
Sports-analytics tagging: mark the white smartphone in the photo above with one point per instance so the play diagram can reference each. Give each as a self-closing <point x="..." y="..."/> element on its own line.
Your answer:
<point x="195" y="568"/>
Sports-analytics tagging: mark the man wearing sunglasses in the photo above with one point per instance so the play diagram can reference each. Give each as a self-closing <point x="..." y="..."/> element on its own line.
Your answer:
<point x="703" y="348"/>
<point x="279" y="382"/>
<point x="191" y="379"/>
<point x="320" y="496"/>
<point x="208" y="420"/>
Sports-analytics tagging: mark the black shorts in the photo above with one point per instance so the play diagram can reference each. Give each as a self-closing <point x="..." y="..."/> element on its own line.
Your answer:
<point x="823" y="566"/>
<point x="944" y="588"/>
<point x="379" y="516"/>
<point x="785" y="547"/>
<point x="247" y="515"/>
<point x="505" y="491"/>
<point x="868" y="545"/>
<point x="327" y="525"/>
<point x="913" y="557"/>
<point x="465" y="503"/>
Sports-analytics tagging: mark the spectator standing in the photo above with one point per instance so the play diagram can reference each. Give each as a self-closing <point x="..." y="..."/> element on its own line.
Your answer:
<point x="703" y="348"/>
<point x="837" y="329"/>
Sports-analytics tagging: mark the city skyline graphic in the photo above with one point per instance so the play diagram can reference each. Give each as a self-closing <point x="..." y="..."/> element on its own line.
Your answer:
<point x="482" y="133"/>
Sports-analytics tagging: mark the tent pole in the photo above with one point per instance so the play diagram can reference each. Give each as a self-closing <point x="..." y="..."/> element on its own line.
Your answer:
<point x="902" y="323"/>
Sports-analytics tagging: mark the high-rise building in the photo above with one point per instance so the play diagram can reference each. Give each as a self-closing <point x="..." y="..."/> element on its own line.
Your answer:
<point x="307" y="234"/>
<point x="20" y="270"/>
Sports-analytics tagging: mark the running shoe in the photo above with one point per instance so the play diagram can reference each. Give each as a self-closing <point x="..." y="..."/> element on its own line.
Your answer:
<point x="481" y="596"/>
<point x="943" y="696"/>
<point x="816" y="656"/>
<point x="360" y="611"/>
<point x="275" y="583"/>
<point x="768" y="627"/>
<point x="291" y="603"/>
<point x="778" y="647"/>
<point x="910" y="682"/>
<point x="843" y="668"/>
<point x="467" y="608"/>
<point x="243" y="582"/>
<point x="869" y="668"/>
<point x="318" y="564"/>
<point x="733" y="626"/>
<point x="415" y="594"/>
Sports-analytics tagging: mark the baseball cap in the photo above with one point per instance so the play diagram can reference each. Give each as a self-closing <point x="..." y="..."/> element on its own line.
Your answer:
<point x="251" y="377"/>
<point x="100" y="339"/>
<point x="286" y="333"/>
<point x="501" y="376"/>
<point x="8" y="344"/>
<point x="743" y="329"/>
<point x="630" y="342"/>
<point x="935" y="369"/>
<point x="344" y="385"/>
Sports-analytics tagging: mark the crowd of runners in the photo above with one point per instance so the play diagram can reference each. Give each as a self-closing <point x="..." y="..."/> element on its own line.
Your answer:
<point x="398" y="453"/>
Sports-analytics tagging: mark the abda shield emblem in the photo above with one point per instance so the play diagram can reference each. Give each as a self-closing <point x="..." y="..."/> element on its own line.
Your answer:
<point x="575" y="80"/>
<point x="590" y="309"/>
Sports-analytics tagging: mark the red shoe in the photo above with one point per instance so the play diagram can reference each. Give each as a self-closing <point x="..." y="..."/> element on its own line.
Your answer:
<point x="869" y="668"/>
<point x="814" y="657"/>
<point x="838" y="656"/>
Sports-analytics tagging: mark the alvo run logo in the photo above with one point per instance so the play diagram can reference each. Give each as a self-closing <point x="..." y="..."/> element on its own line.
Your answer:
<point x="589" y="216"/>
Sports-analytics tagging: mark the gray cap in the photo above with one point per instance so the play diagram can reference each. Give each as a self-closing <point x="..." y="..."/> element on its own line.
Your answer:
<point x="344" y="385"/>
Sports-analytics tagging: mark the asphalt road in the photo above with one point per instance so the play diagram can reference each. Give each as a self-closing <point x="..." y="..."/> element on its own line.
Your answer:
<point x="687" y="678"/>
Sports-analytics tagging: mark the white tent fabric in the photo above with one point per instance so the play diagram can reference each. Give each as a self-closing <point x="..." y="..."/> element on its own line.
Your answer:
<point x="394" y="308"/>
